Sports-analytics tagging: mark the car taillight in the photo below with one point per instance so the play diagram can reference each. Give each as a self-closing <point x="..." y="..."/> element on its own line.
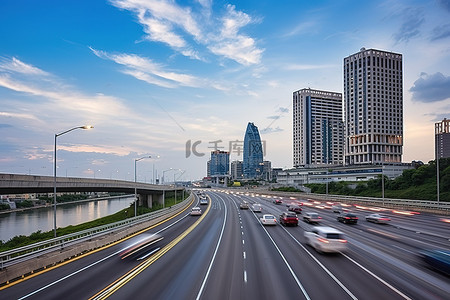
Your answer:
<point x="296" y="219"/>
<point x="343" y="241"/>
<point x="346" y="218"/>
<point x="319" y="217"/>
<point x="323" y="240"/>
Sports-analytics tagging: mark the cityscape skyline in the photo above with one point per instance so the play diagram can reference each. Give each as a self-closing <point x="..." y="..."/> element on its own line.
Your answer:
<point x="160" y="77"/>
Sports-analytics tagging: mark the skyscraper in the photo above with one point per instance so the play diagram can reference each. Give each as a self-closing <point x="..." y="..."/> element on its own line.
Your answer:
<point x="219" y="163"/>
<point x="318" y="128"/>
<point x="236" y="170"/>
<point x="253" y="153"/>
<point x="373" y="107"/>
<point x="442" y="138"/>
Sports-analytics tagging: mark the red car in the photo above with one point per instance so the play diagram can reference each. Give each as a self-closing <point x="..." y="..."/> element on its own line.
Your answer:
<point x="277" y="201"/>
<point x="295" y="208"/>
<point x="288" y="218"/>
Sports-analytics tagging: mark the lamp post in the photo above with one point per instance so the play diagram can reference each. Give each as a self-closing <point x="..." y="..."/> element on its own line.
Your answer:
<point x="54" y="171"/>
<point x="164" y="172"/>
<point x="135" y="182"/>
<point x="437" y="174"/>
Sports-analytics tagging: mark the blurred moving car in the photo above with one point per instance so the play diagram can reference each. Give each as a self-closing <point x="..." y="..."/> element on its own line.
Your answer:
<point x="347" y="218"/>
<point x="288" y="218"/>
<point x="295" y="208"/>
<point x="437" y="259"/>
<point x="203" y="201"/>
<point x="256" y="207"/>
<point x="326" y="239"/>
<point x="244" y="205"/>
<point x="145" y="243"/>
<point x="277" y="201"/>
<point x="377" y="218"/>
<point x="336" y="208"/>
<point x="268" y="219"/>
<point x="312" y="217"/>
<point x="196" y="211"/>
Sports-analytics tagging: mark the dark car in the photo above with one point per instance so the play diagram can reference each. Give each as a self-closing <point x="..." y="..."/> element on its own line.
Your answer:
<point x="437" y="259"/>
<point x="347" y="218"/>
<point x="288" y="218"/>
<point x="295" y="208"/>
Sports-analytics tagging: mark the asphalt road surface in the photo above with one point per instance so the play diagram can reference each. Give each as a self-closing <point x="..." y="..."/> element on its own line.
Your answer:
<point x="227" y="254"/>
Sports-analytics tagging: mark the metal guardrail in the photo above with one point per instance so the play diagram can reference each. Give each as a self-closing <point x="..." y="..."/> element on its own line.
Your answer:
<point x="61" y="242"/>
<point x="442" y="206"/>
<point x="389" y="202"/>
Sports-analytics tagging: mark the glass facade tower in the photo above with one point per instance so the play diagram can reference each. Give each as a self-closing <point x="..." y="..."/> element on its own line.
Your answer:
<point x="253" y="153"/>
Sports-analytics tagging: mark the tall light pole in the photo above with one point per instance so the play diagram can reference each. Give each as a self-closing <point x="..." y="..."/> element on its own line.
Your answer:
<point x="164" y="172"/>
<point x="54" y="171"/>
<point x="135" y="182"/>
<point x="437" y="174"/>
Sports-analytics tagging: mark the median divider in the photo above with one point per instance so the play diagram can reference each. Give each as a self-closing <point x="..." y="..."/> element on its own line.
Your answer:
<point x="48" y="260"/>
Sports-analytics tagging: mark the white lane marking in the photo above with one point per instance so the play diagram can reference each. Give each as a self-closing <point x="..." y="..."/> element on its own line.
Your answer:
<point x="244" y="254"/>
<point x="287" y="264"/>
<point x="93" y="264"/>
<point x="378" y="278"/>
<point x="242" y="232"/>
<point x="323" y="267"/>
<point x="215" y="252"/>
<point x="243" y="242"/>
<point x="245" y="276"/>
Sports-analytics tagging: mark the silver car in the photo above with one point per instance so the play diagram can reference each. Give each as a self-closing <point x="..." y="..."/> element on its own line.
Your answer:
<point x="326" y="239"/>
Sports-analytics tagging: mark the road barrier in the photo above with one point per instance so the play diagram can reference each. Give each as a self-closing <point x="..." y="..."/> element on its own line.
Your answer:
<point x="16" y="263"/>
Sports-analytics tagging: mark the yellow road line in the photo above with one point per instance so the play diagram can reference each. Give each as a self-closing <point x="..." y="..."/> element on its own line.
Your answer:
<point x="120" y="282"/>
<point x="90" y="252"/>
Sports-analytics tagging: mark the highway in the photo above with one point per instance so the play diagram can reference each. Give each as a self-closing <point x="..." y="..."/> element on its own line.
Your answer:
<point x="227" y="254"/>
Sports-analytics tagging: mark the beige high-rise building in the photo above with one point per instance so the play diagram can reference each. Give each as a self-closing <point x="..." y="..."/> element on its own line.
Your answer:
<point x="373" y="107"/>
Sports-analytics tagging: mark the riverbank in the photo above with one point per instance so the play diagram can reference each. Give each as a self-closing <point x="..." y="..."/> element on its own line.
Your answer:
<point x="65" y="203"/>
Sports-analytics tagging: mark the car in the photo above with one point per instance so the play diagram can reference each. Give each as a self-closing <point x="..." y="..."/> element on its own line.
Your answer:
<point x="377" y="218"/>
<point x="196" y="211"/>
<point x="312" y="217"/>
<point x="256" y="207"/>
<point x="203" y="201"/>
<point x="336" y="208"/>
<point x="277" y="201"/>
<point x="268" y="219"/>
<point x="438" y="259"/>
<point x="326" y="239"/>
<point x="244" y="205"/>
<point x="295" y="208"/>
<point x="347" y="218"/>
<point x="288" y="218"/>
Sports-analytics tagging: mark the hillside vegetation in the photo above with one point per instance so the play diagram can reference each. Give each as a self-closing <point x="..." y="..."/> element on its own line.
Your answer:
<point x="418" y="184"/>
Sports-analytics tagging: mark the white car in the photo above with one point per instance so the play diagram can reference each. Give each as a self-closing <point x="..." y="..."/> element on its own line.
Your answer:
<point x="326" y="239"/>
<point x="377" y="218"/>
<point x="268" y="219"/>
<point x="196" y="211"/>
<point x="203" y="201"/>
<point x="256" y="207"/>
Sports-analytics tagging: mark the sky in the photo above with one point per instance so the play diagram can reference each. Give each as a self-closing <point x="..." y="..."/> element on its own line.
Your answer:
<point x="175" y="80"/>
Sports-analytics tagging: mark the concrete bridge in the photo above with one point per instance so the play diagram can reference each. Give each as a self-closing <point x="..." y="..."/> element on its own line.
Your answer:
<point x="25" y="184"/>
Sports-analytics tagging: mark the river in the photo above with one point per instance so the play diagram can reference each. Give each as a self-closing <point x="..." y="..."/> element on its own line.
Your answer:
<point x="29" y="221"/>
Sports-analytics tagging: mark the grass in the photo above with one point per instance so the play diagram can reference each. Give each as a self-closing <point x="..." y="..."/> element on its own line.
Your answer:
<point x="38" y="236"/>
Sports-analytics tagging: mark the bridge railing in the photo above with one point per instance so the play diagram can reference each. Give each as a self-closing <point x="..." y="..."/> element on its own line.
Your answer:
<point x="27" y="251"/>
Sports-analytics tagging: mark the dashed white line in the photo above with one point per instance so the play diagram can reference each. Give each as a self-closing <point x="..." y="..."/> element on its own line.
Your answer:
<point x="243" y="242"/>
<point x="245" y="276"/>
<point x="243" y="254"/>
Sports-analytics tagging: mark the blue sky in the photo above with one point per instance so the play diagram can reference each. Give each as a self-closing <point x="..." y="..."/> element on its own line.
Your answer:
<point x="150" y="76"/>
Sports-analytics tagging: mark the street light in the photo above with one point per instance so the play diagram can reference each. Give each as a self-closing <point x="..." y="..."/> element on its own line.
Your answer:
<point x="164" y="172"/>
<point x="54" y="171"/>
<point x="135" y="182"/>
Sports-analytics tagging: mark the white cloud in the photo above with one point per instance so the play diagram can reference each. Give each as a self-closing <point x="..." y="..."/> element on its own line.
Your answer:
<point x="17" y="66"/>
<point x="167" y="22"/>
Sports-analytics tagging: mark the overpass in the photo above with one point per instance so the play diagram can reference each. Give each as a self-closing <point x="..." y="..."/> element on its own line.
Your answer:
<point x="24" y="184"/>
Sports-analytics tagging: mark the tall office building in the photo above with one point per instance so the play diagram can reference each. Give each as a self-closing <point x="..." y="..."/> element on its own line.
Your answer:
<point x="253" y="153"/>
<point x="373" y="107"/>
<point x="318" y="128"/>
<point x="236" y="170"/>
<point x="442" y="138"/>
<point x="219" y="163"/>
